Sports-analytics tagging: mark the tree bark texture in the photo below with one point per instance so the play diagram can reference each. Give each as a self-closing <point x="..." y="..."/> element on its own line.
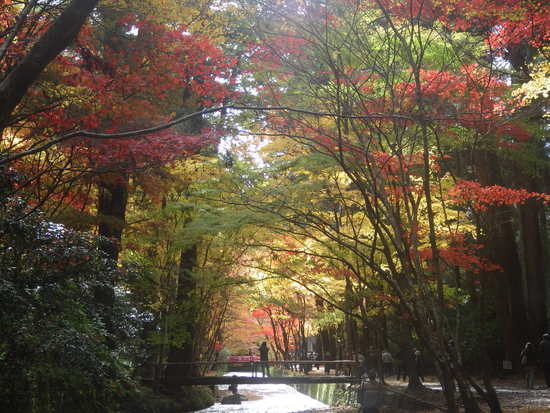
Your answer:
<point x="533" y="258"/>
<point x="185" y="352"/>
<point x="111" y="209"/>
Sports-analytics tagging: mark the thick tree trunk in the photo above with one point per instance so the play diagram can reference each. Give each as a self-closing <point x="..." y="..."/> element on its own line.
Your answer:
<point x="60" y="35"/>
<point x="186" y="352"/>
<point x="448" y="387"/>
<point x="468" y="400"/>
<point x="531" y="216"/>
<point x="111" y="210"/>
<point x="501" y="249"/>
<point x="533" y="258"/>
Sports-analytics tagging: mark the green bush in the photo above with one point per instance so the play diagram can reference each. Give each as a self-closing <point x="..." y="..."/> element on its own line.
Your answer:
<point x="145" y="401"/>
<point x="189" y="399"/>
<point x="65" y="333"/>
<point x="196" y="398"/>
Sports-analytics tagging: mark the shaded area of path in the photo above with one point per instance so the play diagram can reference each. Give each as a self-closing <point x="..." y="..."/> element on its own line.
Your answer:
<point x="512" y="394"/>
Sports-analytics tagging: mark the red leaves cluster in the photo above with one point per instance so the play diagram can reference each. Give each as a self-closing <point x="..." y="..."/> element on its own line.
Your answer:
<point x="503" y="22"/>
<point x="473" y="98"/>
<point x="149" y="150"/>
<point x="274" y="320"/>
<point x="130" y="82"/>
<point x="469" y="96"/>
<point x="462" y="255"/>
<point x="282" y="47"/>
<point x="483" y="197"/>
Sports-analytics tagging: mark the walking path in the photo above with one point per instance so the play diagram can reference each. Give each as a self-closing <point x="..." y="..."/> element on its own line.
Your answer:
<point x="268" y="398"/>
<point x="280" y="398"/>
<point x="512" y="394"/>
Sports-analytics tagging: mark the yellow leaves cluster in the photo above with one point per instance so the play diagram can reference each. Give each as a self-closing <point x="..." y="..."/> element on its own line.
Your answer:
<point x="538" y="86"/>
<point x="199" y="16"/>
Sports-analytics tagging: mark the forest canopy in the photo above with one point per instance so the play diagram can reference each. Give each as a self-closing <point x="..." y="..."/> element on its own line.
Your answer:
<point x="184" y="179"/>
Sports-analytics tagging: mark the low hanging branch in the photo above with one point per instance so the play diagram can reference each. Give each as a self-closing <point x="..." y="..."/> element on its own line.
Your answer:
<point x="140" y="132"/>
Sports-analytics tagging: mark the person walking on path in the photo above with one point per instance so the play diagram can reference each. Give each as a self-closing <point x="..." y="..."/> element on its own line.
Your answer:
<point x="544" y="357"/>
<point x="401" y="365"/>
<point x="253" y="366"/>
<point x="387" y="362"/>
<point x="328" y="366"/>
<point x="264" y="357"/>
<point x="528" y="359"/>
<point x="419" y="364"/>
<point x="371" y="395"/>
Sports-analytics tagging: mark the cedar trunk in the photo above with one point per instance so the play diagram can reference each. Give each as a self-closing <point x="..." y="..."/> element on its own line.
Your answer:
<point x="533" y="256"/>
<point x="186" y="351"/>
<point x="501" y="248"/>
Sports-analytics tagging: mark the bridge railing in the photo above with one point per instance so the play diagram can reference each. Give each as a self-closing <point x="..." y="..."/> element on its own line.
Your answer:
<point x="340" y="367"/>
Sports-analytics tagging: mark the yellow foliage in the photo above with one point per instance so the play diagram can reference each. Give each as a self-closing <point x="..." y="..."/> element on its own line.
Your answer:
<point x="199" y="16"/>
<point x="538" y="86"/>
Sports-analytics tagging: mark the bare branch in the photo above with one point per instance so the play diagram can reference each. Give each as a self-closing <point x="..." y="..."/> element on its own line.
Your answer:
<point x="140" y="132"/>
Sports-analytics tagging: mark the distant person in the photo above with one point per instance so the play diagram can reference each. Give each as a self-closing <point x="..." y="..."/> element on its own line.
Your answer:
<point x="306" y="367"/>
<point x="544" y="357"/>
<point x="253" y="366"/>
<point x="401" y="365"/>
<point x="372" y="395"/>
<point x="234" y="398"/>
<point x="317" y="358"/>
<point x="328" y="366"/>
<point x="419" y="364"/>
<point x="363" y="368"/>
<point x="373" y="361"/>
<point x="528" y="359"/>
<point x="264" y="358"/>
<point x="387" y="363"/>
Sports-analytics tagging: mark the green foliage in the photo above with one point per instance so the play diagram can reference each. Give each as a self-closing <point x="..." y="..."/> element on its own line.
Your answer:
<point x="61" y="348"/>
<point x="145" y="401"/>
<point x="196" y="398"/>
<point x="189" y="399"/>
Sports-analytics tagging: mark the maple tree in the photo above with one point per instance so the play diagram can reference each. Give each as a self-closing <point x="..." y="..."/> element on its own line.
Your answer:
<point x="101" y="83"/>
<point x="399" y="190"/>
<point x="391" y="104"/>
<point x="125" y="70"/>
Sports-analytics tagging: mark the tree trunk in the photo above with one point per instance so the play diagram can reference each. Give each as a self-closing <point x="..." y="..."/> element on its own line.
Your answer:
<point x="111" y="210"/>
<point x="501" y="249"/>
<point x="448" y="387"/>
<point x="533" y="258"/>
<point x="59" y="35"/>
<point x="184" y="352"/>
<point x="349" y="324"/>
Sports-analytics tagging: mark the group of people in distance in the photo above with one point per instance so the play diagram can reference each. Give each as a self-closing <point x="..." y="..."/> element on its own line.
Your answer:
<point x="532" y="356"/>
<point x="391" y="365"/>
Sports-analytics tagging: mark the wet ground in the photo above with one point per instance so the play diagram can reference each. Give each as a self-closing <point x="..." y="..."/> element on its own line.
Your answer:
<point x="268" y="398"/>
<point x="280" y="398"/>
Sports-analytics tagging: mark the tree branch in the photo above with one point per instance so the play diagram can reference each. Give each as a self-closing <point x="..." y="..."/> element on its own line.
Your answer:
<point x="140" y="132"/>
<point x="60" y="34"/>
